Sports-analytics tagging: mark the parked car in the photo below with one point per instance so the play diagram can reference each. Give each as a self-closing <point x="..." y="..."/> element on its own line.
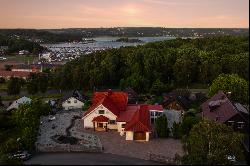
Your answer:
<point x="23" y="155"/>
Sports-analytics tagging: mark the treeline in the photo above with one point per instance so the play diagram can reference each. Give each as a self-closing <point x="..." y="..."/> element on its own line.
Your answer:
<point x="46" y="36"/>
<point x="15" y="45"/>
<point x="173" y="63"/>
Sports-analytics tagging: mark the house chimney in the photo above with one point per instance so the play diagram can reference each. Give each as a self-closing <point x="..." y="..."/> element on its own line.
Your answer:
<point x="228" y="94"/>
<point x="110" y="92"/>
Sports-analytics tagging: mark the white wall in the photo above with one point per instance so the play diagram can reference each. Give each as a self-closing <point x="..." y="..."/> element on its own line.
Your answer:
<point x="119" y="126"/>
<point x="129" y="135"/>
<point x="147" y="136"/>
<point x="88" y="119"/>
<point x="72" y="104"/>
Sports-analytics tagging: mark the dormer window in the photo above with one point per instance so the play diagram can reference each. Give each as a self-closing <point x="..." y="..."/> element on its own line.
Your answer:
<point x="101" y="111"/>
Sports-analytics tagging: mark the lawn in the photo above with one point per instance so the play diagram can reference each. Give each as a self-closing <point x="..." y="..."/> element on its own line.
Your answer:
<point x="23" y="58"/>
<point x="44" y="96"/>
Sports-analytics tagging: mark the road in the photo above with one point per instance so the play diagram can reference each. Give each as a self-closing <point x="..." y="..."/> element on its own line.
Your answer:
<point x="85" y="159"/>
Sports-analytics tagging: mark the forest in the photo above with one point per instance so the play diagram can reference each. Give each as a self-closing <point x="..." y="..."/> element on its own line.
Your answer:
<point x="168" y="64"/>
<point x="15" y="45"/>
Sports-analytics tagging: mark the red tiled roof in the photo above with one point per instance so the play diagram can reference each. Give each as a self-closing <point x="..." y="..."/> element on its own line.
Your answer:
<point x="155" y="107"/>
<point x="119" y="98"/>
<point x="223" y="112"/>
<point x="14" y="74"/>
<point x="114" y="101"/>
<point x="140" y="120"/>
<point x="100" y="118"/>
<point x="126" y="116"/>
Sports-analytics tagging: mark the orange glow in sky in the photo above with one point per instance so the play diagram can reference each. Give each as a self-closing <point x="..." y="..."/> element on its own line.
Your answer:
<point x="124" y="13"/>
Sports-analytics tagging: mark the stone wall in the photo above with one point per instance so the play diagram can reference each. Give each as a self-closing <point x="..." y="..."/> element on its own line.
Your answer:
<point x="67" y="148"/>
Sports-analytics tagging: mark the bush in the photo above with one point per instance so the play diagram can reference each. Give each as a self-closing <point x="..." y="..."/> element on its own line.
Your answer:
<point x="162" y="126"/>
<point x="176" y="130"/>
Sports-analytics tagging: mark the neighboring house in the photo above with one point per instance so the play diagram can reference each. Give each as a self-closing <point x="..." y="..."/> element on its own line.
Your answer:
<point x="15" y="104"/>
<point x="132" y="95"/>
<point x="72" y="100"/>
<point x="111" y="111"/>
<point x="18" y="74"/>
<point x="25" y="68"/>
<point x="220" y="109"/>
<point x="173" y="101"/>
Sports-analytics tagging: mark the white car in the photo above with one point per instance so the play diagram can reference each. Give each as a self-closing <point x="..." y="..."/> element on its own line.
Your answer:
<point x="23" y="155"/>
<point x="52" y="118"/>
<point x="231" y="158"/>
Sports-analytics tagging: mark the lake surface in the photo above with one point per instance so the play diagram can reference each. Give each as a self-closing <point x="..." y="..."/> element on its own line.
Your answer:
<point x="103" y="43"/>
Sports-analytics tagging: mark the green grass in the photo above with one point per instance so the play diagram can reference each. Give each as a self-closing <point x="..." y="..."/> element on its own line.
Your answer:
<point x="3" y="86"/>
<point x="22" y="58"/>
<point x="44" y="96"/>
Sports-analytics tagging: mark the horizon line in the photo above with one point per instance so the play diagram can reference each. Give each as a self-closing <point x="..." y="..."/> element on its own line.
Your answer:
<point x="130" y="27"/>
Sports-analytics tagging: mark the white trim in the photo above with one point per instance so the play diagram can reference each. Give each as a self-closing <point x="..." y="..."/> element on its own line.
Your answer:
<point x="96" y="109"/>
<point x="73" y="98"/>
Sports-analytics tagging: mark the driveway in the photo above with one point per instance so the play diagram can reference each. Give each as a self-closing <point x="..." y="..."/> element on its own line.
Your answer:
<point x="85" y="159"/>
<point x="115" y="144"/>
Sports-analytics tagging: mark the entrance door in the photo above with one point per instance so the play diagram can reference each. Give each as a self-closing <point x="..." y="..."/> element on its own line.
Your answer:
<point x="139" y="136"/>
<point x="100" y="124"/>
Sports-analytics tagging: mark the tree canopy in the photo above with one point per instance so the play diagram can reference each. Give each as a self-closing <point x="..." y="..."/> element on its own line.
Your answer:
<point x="231" y="83"/>
<point x="211" y="143"/>
<point x="178" y="62"/>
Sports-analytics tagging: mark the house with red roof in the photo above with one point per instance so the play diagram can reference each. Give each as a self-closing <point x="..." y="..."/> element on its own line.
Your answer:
<point x="111" y="111"/>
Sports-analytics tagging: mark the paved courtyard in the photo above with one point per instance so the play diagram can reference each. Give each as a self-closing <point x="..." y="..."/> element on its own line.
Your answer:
<point x="115" y="144"/>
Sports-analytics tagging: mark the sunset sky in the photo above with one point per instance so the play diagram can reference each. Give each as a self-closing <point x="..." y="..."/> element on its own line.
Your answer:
<point x="124" y="13"/>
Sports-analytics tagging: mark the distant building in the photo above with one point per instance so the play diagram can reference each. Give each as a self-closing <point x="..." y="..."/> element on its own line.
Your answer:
<point x="24" y="52"/>
<point x="18" y="74"/>
<point x="25" y="68"/>
<point x="72" y="100"/>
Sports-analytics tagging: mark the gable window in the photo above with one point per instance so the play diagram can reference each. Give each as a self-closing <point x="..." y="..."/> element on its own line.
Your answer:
<point x="101" y="111"/>
<point x="123" y="125"/>
<point x="240" y="125"/>
<point x="75" y="101"/>
<point x="112" y="122"/>
<point x="68" y="102"/>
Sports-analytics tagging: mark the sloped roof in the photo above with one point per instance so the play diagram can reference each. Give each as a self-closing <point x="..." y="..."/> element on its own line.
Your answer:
<point x="223" y="112"/>
<point x="100" y="118"/>
<point x="116" y="102"/>
<point x="126" y="116"/>
<point x="140" y="121"/>
<point x="15" y="104"/>
<point x="14" y="74"/>
<point x="119" y="98"/>
<point x="76" y="94"/>
<point x="155" y="107"/>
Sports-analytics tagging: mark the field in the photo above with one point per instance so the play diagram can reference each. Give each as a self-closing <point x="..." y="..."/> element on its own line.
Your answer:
<point x="17" y="59"/>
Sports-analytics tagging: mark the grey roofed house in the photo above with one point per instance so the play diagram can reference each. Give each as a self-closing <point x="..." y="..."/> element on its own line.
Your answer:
<point x="76" y="94"/>
<point x="132" y="95"/>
